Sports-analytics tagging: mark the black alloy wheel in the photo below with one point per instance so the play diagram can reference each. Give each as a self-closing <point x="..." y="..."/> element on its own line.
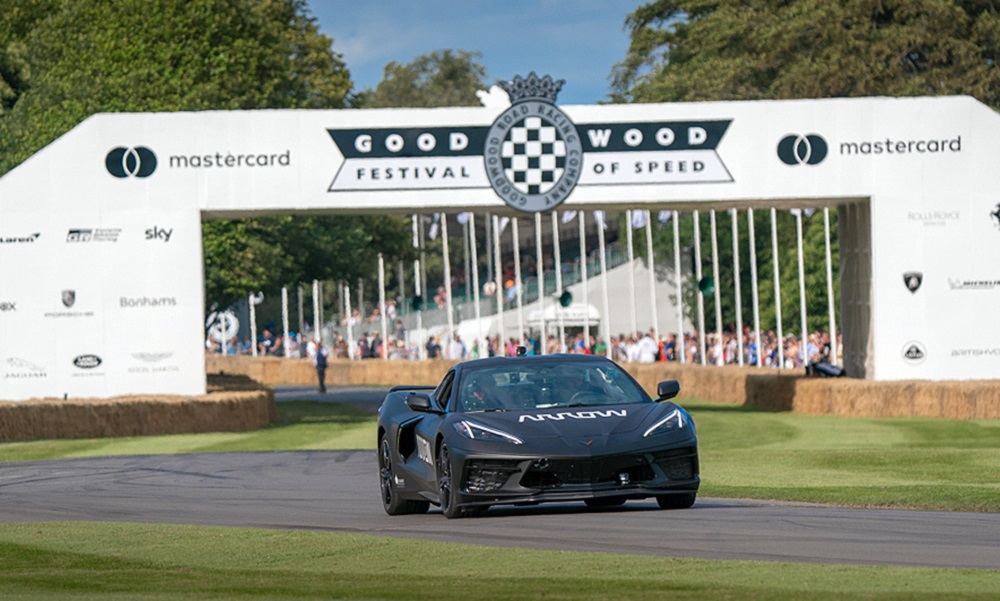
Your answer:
<point x="391" y="502"/>
<point x="678" y="501"/>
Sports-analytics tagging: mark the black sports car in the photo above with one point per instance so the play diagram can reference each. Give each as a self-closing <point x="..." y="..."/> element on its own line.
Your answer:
<point x="528" y="430"/>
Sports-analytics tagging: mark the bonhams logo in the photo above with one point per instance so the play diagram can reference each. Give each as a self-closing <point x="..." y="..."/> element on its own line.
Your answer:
<point x="795" y="149"/>
<point x="123" y="162"/>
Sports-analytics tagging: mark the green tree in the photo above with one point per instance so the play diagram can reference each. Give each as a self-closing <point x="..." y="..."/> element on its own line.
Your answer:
<point x="441" y="78"/>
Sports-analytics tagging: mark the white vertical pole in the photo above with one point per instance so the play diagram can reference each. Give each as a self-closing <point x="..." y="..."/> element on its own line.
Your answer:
<point x="284" y="322"/>
<point x="224" y="321"/>
<point x="540" y="274"/>
<point x="802" y="288"/>
<point x="604" y="287"/>
<point x="652" y="276"/>
<point x="316" y="317"/>
<point x="777" y="287"/>
<point x="583" y="278"/>
<point x="475" y="282"/>
<point x="517" y="280"/>
<point x="302" y="318"/>
<point x="633" y="324"/>
<point x="754" y="290"/>
<point x="679" y="344"/>
<point x="253" y="325"/>
<point x="417" y="290"/>
<point x="447" y="278"/>
<point x="381" y="305"/>
<point x="829" y="287"/>
<point x="351" y="350"/>
<point x="717" y="292"/>
<point x="701" y="295"/>
<point x="465" y="256"/>
<point x="557" y="255"/>
<point x="487" y="246"/>
<point x="734" y="215"/>
<point x="498" y="275"/>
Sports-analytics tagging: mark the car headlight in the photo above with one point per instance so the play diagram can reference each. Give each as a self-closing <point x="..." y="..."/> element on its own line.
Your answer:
<point x="476" y="431"/>
<point x="675" y="420"/>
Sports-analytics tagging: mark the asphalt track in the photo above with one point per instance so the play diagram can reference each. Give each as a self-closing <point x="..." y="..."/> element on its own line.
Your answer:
<point x="337" y="491"/>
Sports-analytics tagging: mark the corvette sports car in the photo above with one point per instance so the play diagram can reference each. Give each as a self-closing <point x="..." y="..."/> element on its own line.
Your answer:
<point x="528" y="430"/>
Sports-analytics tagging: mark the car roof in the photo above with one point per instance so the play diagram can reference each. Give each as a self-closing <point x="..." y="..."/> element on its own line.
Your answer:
<point x="512" y="361"/>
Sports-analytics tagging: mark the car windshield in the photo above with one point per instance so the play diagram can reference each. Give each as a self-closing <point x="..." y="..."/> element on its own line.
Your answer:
<point x="535" y="384"/>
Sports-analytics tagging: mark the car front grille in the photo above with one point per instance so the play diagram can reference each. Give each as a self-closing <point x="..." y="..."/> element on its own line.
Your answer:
<point x="678" y="464"/>
<point x="488" y="475"/>
<point x="544" y="473"/>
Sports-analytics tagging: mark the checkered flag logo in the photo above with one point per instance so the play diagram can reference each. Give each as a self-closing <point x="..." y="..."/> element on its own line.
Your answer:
<point x="534" y="156"/>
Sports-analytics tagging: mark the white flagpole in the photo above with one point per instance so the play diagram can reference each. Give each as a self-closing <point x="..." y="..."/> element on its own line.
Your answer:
<point x="517" y="280"/>
<point x="302" y="318"/>
<point x="447" y="279"/>
<point x="498" y="273"/>
<point x="679" y="344"/>
<point x="777" y="287"/>
<point x="734" y="215"/>
<point x="316" y="316"/>
<point x="381" y="307"/>
<point x="540" y="275"/>
<point x="717" y="292"/>
<point x="802" y="289"/>
<point x="557" y="252"/>
<point x="829" y="287"/>
<point x="583" y="278"/>
<point x="604" y="288"/>
<point x="631" y="274"/>
<point x="652" y="276"/>
<point x="475" y="283"/>
<point x="417" y="290"/>
<point x="253" y="325"/>
<point x="753" y="289"/>
<point x="351" y="350"/>
<point x="465" y="257"/>
<point x="284" y="322"/>
<point x="701" y="295"/>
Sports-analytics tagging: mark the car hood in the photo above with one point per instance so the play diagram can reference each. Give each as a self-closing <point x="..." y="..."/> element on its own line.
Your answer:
<point x="558" y="422"/>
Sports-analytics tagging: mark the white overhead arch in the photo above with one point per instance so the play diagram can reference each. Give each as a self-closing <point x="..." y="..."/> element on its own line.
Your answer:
<point x="101" y="263"/>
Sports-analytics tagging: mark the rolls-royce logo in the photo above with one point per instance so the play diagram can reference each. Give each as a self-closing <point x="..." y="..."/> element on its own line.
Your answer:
<point x="796" y="149"/>
<point x="533" y="153"/>
<point x="133" y="161"/>
<point x="913" y="279"/>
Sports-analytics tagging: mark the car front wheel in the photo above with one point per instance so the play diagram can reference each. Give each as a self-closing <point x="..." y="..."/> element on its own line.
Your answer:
<point x="678" y="501"/>
<point x="391" y="502"/>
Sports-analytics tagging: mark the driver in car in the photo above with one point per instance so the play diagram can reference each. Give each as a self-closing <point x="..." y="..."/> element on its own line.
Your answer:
<point x="481" y="394"/>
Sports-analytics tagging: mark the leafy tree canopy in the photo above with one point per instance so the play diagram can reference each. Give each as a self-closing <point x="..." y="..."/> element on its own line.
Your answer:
<point x="688" y="50"/>
<point x="441" y="78"/>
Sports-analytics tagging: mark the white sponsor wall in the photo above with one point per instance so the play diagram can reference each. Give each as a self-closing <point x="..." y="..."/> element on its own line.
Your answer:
<point x="926" y="165"/>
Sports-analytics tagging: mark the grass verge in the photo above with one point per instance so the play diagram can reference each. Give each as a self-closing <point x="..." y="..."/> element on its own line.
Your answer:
<point x="86" y="561"/>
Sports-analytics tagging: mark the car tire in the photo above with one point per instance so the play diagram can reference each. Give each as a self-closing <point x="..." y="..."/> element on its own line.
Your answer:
<point x="605" y="501"/>
<point x="446" y="486"/>
<point x="391" y="501"/>
<point x="678" y="501"/>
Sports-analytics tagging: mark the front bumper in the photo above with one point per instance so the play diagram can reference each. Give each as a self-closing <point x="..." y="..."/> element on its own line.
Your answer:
<point x="506" y="479"/>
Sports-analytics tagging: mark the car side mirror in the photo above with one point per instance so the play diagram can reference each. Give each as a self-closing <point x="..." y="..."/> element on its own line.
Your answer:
<point x="667" y="390"/>
<point x="419" y="401"/>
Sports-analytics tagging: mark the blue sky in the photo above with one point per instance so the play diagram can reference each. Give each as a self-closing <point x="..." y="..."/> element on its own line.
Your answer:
<point x="575" y="40"/>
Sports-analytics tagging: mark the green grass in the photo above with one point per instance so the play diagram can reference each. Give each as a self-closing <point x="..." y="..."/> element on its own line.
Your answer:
<point x="104" y="562"/>
<point x="914" y="463"/>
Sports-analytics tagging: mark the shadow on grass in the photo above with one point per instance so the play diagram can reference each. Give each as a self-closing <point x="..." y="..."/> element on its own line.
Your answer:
<point x="312" y="412"/>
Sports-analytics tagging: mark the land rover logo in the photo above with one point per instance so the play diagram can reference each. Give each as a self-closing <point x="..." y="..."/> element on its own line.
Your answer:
<point x="87" y="361"/>
<point x="533" y="154"/>
<point x="914" y="352"/>
<point x="913" y="279"/>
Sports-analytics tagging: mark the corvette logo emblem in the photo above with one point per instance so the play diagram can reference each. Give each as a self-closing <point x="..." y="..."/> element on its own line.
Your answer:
<point x="586" y="443"/>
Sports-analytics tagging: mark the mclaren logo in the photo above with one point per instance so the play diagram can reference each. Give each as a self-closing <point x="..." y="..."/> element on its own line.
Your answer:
<point x="558" y="417"/>
<point x="809" y="149"/>
<point x="533" y="154"/>
<point x="137" y="161"/>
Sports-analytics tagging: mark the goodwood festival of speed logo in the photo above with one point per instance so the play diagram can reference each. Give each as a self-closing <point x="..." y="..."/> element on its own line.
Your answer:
<point x="531" y="155"/>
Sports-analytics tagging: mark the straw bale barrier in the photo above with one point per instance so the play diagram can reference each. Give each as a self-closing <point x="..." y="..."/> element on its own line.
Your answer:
<point x="764" y="388"/>
<point x="232" y="404"/>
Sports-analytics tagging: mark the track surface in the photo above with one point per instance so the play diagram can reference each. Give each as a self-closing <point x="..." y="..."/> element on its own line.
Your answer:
<point x="338" y="491"/>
